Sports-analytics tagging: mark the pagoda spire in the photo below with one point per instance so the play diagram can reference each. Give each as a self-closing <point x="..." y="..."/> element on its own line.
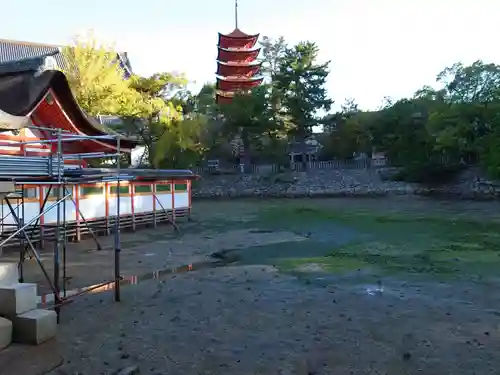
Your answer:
<point x="236" y="13"/>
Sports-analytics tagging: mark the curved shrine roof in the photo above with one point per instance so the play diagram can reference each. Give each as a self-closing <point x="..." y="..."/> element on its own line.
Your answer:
<point x="21" y="93"/>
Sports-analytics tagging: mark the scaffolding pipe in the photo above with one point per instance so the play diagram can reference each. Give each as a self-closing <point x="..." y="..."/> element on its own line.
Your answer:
<point x="53" y="130"/>
<point x="99" y="247"/>
<point x="20" y="223"/>
<point x="65" y="241"/>
<point x="176" y="228"/>
<point x="42" y="183"/>
<point x="32" y="221"/>
<point x="12" y="166"/>
<point x="117" y="225"/>
<point x="88" y="155"/>
<point x="66" y="138"/>
<point x="58" y="226"/>
<point x="33" y="250"/>
<point x="51" y="167"/>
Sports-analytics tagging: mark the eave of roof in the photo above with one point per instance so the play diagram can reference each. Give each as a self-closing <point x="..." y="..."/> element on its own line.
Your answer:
<point x="22" y="91"/>
<point x="237" y="64"/>
<point x="240" y="79"/>
<point x="239" y="51"/>
<point x="238" y="34"/>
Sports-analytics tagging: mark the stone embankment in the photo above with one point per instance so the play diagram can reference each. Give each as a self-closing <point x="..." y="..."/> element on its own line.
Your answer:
<point x="371" y="182"/>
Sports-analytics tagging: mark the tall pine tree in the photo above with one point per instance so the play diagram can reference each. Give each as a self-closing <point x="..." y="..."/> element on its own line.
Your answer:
<point x="301" y="81"/>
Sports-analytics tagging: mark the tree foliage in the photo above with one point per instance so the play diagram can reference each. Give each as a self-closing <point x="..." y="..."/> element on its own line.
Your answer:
<point x="95" y="76"/>
<point x="273" y="51"/>
<point x="433" y="134"/>
<point x="430" y="135"/>
<point x="154" y="109"/>
<point x="348" y="135"/>
<point x="301" y="81"/>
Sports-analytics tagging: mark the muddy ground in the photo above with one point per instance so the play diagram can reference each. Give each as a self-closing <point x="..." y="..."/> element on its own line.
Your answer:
<point x="143" y="252"/>
<point x="386" y="286"/>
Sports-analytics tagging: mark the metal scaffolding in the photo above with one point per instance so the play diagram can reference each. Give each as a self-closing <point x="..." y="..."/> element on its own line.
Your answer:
<point x="49" y="170"/>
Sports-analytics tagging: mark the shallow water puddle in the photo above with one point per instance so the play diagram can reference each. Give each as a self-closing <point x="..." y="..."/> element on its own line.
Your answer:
<point x="48" y="299"/>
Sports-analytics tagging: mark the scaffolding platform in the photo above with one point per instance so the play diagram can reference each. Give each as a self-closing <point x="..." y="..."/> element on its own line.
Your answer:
<point x="47" y="220"/>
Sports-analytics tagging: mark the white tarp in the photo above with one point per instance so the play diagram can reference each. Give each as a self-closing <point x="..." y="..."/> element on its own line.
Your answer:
<point x="9" y="122"/>
<point x="139" y="156"/>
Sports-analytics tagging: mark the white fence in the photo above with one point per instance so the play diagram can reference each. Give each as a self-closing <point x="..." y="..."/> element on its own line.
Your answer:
<point x="312" y="165"/>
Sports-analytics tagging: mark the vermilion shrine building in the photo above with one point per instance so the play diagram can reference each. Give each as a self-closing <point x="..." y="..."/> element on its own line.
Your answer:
<point x="35" y="103"/>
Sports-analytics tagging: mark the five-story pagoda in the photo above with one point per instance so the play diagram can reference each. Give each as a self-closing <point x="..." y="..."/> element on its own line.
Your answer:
<point x="237" y="66"/>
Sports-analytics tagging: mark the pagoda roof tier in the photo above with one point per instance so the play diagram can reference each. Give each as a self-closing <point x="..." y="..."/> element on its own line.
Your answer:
<point x="237" y="56"/>
<point x="47" y="98"/>
<point x="238" y="84"/>
<point x="237" y="70"/>
<point x="237" y="39"/>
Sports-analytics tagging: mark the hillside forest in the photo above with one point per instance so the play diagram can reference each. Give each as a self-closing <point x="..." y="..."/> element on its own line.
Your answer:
<point x="429" y="136"/>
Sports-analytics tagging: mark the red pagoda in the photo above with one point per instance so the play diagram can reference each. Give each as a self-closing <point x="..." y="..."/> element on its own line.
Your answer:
<point x="237" y="66"/>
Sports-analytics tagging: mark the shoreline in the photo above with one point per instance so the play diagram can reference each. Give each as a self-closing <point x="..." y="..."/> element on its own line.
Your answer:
<point x="476" y="196"/>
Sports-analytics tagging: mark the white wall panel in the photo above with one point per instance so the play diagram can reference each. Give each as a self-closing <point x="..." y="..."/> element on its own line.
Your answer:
<point x="93" y="206"/>
<point x="143" y="203"/>
<point x="165" y="200"/>
<point x="125" y="205"/>
<point x="181" y="200"/>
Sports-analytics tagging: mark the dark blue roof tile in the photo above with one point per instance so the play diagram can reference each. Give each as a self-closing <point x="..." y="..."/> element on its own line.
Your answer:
<point x="13" y="50"/>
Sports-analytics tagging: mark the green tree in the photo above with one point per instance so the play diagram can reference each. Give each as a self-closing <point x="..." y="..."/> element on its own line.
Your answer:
<point x="301" y="82"/>
<point x="158" y="119"/>
<point x="464" y="115"/>
<point x="205" y="100"/>
<point x="348" y="132"/>
<point x="247" y="118"/>
<point x="273" y="52"/>
<point x="96" y="77"/>
<point x="156" y="109"/>
<point x="180" y="145"/>
<point x="349" y="107"/>
<point x="433" y="133"/>
<point x="476" y="83"/>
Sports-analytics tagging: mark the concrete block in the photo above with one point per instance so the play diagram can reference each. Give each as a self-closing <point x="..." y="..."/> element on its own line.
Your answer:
<point x="17" y="299"/>
<point x="6" y="187"/>
<point x="5" y="333"/>
<point x="35" y="327"/>
<point x="8" y="273"/>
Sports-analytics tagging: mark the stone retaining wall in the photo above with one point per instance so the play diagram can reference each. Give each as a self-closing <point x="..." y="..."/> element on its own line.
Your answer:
<point x="339" y="183"/>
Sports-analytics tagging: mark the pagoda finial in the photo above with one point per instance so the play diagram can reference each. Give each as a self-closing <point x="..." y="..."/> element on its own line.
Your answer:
<point x="236" y="13"/>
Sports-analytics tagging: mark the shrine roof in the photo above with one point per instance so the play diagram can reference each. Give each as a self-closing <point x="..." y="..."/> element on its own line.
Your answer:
<point x="23" y="87"/>
<point x="15" y="50"/>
